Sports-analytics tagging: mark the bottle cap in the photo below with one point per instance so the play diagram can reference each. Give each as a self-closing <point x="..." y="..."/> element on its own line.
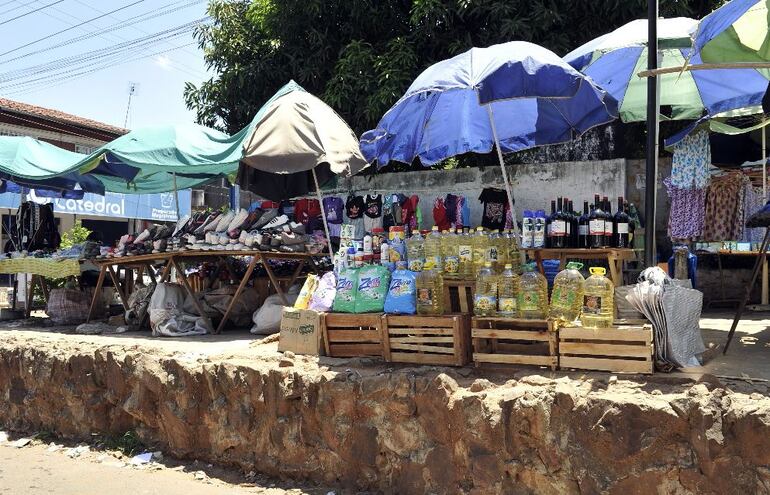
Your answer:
<point x="597" y="270"/>
<point x="574" y="265"/>
<point x="435" y="228"/>
<point x="508" y="266"/>
<point x="488" y="264"/>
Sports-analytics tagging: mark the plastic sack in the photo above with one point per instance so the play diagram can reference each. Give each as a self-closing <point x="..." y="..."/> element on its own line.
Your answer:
<point x="373" y="283"/>
<point x="323" y="297"/>
<point x="347" y="288"/>
<point x="303" y="300"/>
<point x="167" y="318"/>
<point x="267" y="319"/>
<point x="68" y="306"/>
<point x="402" y="293"/>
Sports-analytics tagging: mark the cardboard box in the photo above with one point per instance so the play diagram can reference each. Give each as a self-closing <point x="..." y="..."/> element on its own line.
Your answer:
<point x="300" y="331"/>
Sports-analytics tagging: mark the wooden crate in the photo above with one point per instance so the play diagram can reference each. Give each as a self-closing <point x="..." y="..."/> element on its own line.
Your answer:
<point x="622" y="349"/>
<point x="439" y="340"/>
<point x="458" y="296"/>
<point x="349" y="335"/>
<point x="514" y="341"/>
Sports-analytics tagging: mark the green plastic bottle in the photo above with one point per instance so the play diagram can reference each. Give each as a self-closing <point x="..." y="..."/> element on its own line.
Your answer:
<point x="598" y="300"/>
<point x="485" y="300"/>
<point x="533" y="294"/>
<point x="507" y="292"/>
<point x="567" y="293"/>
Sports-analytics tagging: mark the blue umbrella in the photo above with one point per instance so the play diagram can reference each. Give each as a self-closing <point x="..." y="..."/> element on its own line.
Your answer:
<point x="513" y="96"/>
<point x="737" y="32"/>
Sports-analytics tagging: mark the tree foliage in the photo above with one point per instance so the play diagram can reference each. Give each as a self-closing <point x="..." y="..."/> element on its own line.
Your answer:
<point x="361" y="55"/>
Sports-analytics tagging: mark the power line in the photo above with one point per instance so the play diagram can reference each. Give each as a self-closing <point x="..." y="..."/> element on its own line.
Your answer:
<point x="21" y="6"/>
<point x="31" y="12"/>
<point x="69" y="28"/>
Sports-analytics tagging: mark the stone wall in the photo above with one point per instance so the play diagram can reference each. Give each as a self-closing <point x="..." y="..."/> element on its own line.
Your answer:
<point x="420" y="430"/>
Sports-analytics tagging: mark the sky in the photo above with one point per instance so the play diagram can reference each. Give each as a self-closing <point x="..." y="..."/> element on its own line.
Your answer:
<point x="82" y="56"/>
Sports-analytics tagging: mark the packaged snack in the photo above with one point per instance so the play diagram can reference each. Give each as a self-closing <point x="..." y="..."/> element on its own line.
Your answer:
<point x="303" y="300"/>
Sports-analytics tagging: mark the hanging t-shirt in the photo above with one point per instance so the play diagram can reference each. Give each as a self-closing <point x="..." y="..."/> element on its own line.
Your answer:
<point x="354" y="207"/>
<point x="373" y="205"/>
<point x="333" y="206"/>
<point x="495" y="203"/>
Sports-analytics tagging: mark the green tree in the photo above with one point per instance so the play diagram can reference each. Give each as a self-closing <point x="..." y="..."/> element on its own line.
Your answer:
<point x="361" y="55"/>
<point x="75" y="235"/>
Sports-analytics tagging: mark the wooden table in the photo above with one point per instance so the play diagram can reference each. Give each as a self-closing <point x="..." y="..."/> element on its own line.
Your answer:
<point x="39" y="269"/>
<point x="723" y="252"/>
<point x="613" y="256"/>
<point x="173" y="260"/>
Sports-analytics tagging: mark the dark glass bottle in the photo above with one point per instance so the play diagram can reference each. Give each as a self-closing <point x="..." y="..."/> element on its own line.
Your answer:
<point x="582" y="241"/>
<point x="573" y="240"/>
<point x="548" y="221"/>
<point x="609" y="224"/>
<point x="596" y="225"/>
<point x="559" y="226"/>
<point x="621" y="238"/>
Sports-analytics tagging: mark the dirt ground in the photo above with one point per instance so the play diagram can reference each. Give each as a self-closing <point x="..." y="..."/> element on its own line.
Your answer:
<point x="41" y="468"/>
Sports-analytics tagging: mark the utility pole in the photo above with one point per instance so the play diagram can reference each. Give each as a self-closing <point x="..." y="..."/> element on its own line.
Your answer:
<point x="653" y="112"/>
<point x="131" y="91"/>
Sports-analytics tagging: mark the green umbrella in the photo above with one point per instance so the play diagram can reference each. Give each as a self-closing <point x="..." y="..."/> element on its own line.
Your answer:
<point x="737" y="32"/>
<point x="614" y="61"/>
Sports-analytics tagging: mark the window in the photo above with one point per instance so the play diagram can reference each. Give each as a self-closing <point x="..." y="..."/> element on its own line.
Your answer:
<point x="85" y="150"/>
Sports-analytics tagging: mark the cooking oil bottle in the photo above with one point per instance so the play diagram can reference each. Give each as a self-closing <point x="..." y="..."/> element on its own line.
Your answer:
<point x="485" y="300"/>
<point x="450" y="254"/>
<point x="465" y="252"/>
<point x="430" y="291"/>
<point x="433" y="249"/>
<point x="567" y="293"/>
<point x="508" y="286"/>
<point x="533" y="294"/>
<point x="502" y="251"/>
<point x="479" y="243"/>
<point x="598" y="300"/>
<point x="493" y="251"/>
<point x="415" y="251"/>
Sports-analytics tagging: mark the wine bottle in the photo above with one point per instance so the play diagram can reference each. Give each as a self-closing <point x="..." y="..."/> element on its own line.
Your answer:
<point x="559" y="226"/>
<point x="583" y="227"/>
<point x="596" y="225"/>
<point x="548" y="222"/>
<point x="621" y="239"/>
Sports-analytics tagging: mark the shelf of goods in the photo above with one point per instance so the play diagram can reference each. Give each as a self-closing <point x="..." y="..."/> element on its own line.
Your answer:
<point x="352" y="335"/>
<point x="436" y="340"/>
<point x="619" y="349"/>
<point x="458" y="296"/>
<point x="514" y="341"/>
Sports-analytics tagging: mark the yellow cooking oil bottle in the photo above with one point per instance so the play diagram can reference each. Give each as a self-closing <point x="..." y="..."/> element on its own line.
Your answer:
<point x="485" y="299"/>
<point x="479" y="244"/>
<point x="507" y="289"/>
<point x="415" y="251"/>
<point x="450" y="254"/>
<point x="430" y="290"/>
<point x="598" y="300"/>
<point x="533" y="294"/>
<point x="567" y="293"/>
<point x="465" y="252"/>
<point x="511" y="248"/>
<point x="493" y="251"/>
<point x="433" y="249"/>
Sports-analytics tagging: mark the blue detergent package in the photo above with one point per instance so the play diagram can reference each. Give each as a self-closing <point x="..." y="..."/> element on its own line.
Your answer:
<point x="402" y="293"/>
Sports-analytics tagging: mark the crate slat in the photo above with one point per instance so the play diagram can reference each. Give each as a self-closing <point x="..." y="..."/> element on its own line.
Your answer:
<point x="422" y="340"/>
<point x="432" y="359"/>
<point x="344" y="320"/>
<point x="420" y="321"/>
<point x="632" y="334"/>
<point x="421" y="348"/>
<point x="510" y="334"/>
<point x="598" y="364"/>
<point x="354" y="335"/>
<point x="421" y="331"/>
<point x="514" y="341"/>
<point x="515" y="359"/>
<point x="355" y="350"/>
<point x="604" y="350"/>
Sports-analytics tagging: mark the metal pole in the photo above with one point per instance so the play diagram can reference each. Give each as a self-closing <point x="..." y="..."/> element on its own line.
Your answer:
<point x="176" y="198"/>
<point x="516" y="234"/>
<point x="323" y="214"/>
<point x="653" y="103"/>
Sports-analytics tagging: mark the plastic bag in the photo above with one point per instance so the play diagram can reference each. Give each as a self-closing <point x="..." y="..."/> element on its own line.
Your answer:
<point x="373" y="283"/>
<point x="402" y="293"/>
<point x="323" y="297"/>
<point x="347" y="288"/>
<point x="303" y="300"/>
<point x="167" y="318"/>
<point x="267" y="319"/>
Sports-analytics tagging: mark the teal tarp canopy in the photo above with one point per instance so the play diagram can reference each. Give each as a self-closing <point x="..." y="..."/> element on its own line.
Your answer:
<point x="147" y="160"/>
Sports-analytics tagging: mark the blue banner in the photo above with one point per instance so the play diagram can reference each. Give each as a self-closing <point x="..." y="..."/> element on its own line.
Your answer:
<point x="158" y="207"/>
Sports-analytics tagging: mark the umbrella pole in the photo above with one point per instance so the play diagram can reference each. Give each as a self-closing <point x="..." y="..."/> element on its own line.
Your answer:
<point x="323" y="214"/>
<point x="765" y="296"/>
<point x="516" y="233"/>
<point x="176" y="198"/>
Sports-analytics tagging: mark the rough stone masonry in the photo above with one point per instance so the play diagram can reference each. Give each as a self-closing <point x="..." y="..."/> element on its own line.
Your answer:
<point x="404" y="430"/>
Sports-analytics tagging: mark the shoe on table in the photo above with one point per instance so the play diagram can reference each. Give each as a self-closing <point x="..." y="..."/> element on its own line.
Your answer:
<point x="276" y="222"/>
<point x="238" y="220"/>
<point x="224" y="221"/>
<point x="266" y="217"/>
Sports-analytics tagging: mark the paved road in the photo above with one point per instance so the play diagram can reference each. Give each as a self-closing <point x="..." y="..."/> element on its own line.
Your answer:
<point x="34" y="470"/>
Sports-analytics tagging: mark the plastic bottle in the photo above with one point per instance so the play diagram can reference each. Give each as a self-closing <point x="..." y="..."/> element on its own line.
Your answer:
<point x="528" y="230"/>
<point x="508" y="287"/>
<point x="501" y="243"/>
<point x="430" y="291"/>
<point x="539" y="235"/>
<point x="465" y="252"/>
<point x="567" y="293"/>
<point x="415" y="252"/>
<point x="368" y="244"/>
<point x="533" y="294"/>
<point x="485" y="300"/>
<point x="450" y="254"/>
<point x="480" y="243"/>
<point x="598" y="300"/>
<point x="492" y="252"/>
<point x="433" y="249"/>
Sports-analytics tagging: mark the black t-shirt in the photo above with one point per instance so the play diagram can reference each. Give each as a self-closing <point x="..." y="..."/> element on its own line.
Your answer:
<point x="495" y="205"/>
<point x="354" y="207"/>
<point x="373" y="206"/>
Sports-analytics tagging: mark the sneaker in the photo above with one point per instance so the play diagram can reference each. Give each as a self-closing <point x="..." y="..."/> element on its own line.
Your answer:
<point x="292" y="248"/>
<point x="209" y="224"/>
<point x="243" y="236"/>
<point x="253" y="218"/>
<point x="180" y="225"/>
<point x="276" y="222"/>
<point x="223" y="240"/>
<point x="224" y="221"/>
<point x="162" y="232"/>
<point x="266" y="217"/>
<point x="297" y="228"/>
<point x="142" y="237"/>
<point x="264" y="242"/>
<point x="292" y="238"/>
<point x="238" y="220"/>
